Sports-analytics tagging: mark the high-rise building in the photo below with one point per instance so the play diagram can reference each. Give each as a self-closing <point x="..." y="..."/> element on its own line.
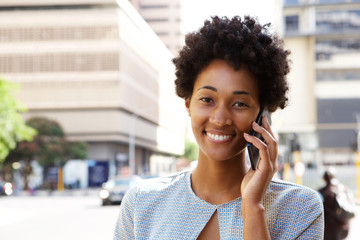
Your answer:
<point x="164" y="17"/>
<point x="324" y="37"/>
<point x="99" y="70"/>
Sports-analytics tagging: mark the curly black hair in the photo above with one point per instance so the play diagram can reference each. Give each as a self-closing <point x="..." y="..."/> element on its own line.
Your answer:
<point x="236" y="42"/>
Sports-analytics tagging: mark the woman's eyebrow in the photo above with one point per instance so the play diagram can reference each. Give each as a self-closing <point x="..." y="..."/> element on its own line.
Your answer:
<point x="215" y="90"/>
<point x="208" y="87"/>
<point x="241" y="92"/>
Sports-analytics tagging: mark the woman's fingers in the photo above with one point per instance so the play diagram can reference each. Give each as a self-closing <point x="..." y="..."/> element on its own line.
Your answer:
<point x="265" y="131"/>
<point x="268" y="148"/>
<point x="261" y="146"/>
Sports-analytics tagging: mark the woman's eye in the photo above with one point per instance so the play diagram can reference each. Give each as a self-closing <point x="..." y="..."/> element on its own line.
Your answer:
<point x="207" y="100"/>
<point x="240" y="104"/>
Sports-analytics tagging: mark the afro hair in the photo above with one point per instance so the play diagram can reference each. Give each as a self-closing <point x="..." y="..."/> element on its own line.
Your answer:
<point x="237" y="42"/>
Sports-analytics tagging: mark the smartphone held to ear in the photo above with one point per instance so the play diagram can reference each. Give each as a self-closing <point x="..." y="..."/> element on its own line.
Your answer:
<point x="252" y="150"/>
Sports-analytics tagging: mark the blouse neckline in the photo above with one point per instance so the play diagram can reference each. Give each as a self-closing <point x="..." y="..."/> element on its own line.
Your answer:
<point x="200" y="200"/>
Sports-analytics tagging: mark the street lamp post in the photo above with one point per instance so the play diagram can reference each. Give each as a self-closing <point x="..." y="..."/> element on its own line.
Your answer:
<point x="357" y="155"/>
<point x="132" y="145"/>
<point x="132" y="134"/>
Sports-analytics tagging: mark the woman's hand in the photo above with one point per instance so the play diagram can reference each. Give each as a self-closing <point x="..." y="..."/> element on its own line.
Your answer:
<point x="255" y="183"/>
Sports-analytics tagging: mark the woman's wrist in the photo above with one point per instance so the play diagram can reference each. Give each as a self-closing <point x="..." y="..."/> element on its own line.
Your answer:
<point x="254" y="219"/>
<point x="253" y="207"/>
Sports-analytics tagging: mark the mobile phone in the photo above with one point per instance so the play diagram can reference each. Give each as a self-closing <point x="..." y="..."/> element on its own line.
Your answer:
<point x="253" y="152"/>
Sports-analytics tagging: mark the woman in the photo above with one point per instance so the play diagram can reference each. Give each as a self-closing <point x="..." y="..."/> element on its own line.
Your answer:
<point x="226" y="72"/>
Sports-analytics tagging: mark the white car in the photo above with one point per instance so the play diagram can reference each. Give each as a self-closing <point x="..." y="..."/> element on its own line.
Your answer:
<point x="114" y="189"/>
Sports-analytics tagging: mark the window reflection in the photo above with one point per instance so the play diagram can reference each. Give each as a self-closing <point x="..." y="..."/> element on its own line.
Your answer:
<point x="292" y="2"/>
<point x="338" y="75"/>
<point x="326" y="49"/>
<point x="292" y="23"/>
<point x="306" y="2"/>
<point x="338" y="21"/>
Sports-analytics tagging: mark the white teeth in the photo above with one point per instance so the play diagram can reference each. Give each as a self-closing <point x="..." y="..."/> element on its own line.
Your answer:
<point x="218" y="137"/>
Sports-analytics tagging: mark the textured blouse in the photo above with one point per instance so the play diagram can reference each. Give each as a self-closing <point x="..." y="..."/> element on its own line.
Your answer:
<point x="167" y="208"/>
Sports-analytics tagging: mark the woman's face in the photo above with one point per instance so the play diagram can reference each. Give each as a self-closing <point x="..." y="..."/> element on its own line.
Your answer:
<point x="222" y="107"/>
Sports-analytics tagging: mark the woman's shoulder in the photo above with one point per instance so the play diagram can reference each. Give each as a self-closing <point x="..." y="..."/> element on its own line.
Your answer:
<point x="157" y="190"/>
<point x="162" y="183"/>
<point x="292" y="193"/>
<point x="285" y="187"/>
<point x="297" y="211"/>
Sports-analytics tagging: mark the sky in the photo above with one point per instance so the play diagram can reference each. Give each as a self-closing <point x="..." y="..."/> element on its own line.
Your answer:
<point x="196" y="11"/>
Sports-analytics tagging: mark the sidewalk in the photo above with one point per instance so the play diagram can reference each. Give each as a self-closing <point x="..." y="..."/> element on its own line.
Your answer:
<point x="354" y="225"/>
<point x="66" y="192"/>
<point x="353" y="235"/>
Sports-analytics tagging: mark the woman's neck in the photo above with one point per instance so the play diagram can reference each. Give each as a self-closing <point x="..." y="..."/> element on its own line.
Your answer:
<point x="218" y="182"/>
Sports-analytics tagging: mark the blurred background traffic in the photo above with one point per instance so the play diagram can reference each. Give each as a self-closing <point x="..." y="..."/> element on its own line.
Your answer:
<point x="87" y="93"/>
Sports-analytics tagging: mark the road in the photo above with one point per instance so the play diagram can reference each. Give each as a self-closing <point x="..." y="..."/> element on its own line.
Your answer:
<point x="70" y="217"/>
<point x="355" y="223"/>
<point x="55" y="218"/>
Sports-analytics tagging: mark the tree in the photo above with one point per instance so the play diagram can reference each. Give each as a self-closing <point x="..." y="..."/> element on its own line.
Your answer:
<point x="12" y="125"/>
<point x="49" y="147"/>
<point x="191" y="150"/>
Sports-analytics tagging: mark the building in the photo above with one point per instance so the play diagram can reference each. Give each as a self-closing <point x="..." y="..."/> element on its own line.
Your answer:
<point x="98" y="69"/>
<point x="164" y="17"/>
<point x="324" y="37"/>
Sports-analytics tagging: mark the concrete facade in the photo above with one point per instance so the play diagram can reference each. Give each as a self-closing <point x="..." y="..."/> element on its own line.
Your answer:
<point x="99" y="70"/>
<point x="324" y="38"/>
<point x="164" y="17"/>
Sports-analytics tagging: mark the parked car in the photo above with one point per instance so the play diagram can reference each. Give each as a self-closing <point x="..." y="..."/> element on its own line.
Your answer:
<point x="6" y="188"/>
<point x="113" y="191"/>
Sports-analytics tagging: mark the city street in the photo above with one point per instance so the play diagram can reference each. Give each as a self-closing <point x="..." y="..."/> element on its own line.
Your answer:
<point x="355" y="223"/>
<point x="69" y="217"/>
<point x="56" y="218"/>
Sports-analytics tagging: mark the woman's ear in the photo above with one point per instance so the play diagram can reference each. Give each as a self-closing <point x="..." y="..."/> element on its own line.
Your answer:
<point x="187" y="105"/>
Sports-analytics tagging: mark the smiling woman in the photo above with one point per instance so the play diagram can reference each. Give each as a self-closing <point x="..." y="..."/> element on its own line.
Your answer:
<point x="222" y="106"/>
<point x="228" y="71"/>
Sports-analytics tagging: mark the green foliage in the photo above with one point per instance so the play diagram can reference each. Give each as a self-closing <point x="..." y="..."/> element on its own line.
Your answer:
<point x="191" y="150"/>
<point x="46" y="127"/>
<point x="77" y="150"/>
<point x="50" y="147"/>
<point x="12" y="125"/>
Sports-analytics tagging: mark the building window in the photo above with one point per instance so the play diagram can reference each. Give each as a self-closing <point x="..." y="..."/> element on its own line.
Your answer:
<point x="156" y="20"/>
<point x="154" y="6"/>
<point x="338" y="75"/>
<point x="292" y="23"/>
<point x="335" y="1"/>
<point x="162" y="33"/>
<point x="327" y="49"/>
<point x="310" y="2"/>
<point x="291" y="2"/>
<point x="338" y="21"/>
<point x="62" y="62"/>
<point x="62" y="33"/>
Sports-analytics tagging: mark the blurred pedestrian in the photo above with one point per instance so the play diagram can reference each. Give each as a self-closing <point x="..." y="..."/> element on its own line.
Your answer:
<point x="227" y="72"/>
<point x="338" y="207"/>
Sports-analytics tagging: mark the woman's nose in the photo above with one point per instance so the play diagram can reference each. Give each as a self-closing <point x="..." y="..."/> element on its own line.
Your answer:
<point x="220" y="116"/>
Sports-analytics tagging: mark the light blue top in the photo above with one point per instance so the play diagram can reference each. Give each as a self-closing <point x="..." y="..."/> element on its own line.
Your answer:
<point x="167" y="208"/>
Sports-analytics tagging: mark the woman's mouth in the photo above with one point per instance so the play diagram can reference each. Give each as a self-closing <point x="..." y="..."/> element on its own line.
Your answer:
<point x="219" y="137"/>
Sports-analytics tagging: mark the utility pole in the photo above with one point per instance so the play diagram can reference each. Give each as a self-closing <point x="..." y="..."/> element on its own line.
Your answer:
<point x="357" y="156"/>
<point x="132" y="144"/>
<point x="132" y="135"/>
<point x="299" y="167"/>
